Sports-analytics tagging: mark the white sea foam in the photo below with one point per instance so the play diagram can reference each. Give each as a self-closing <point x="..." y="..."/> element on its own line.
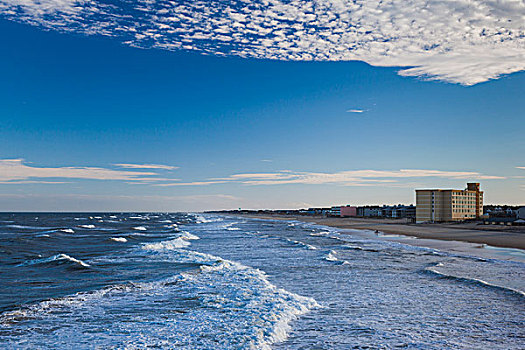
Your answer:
<point x="302" y="244"/>
<point x="232" y="307"/>
<point x="87" y="226"/>
<point x="199" y="219"/>
<point x="189" y="236"/>
<point x="119" y="239"/>
<point x="319" y="234"/>
<point x="67" y="230"/>
<point x="331" y="256"/>
<point x="176" y="243"/>
<point x="140" y="228"/>
<point x="441" y="269"/>
<point x="172" y="226"/>
<point x="56" y="257"/>
<point x="353" y="247"/>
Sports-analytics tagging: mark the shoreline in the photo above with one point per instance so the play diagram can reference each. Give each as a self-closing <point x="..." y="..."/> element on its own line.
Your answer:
<point x="461" y="237"/>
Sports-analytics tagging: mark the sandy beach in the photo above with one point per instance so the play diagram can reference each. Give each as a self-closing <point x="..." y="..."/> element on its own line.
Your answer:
<point x="498" y="236"/>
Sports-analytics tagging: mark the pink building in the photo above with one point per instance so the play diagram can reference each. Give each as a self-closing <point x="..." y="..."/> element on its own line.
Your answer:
<point x="348" y="211"/>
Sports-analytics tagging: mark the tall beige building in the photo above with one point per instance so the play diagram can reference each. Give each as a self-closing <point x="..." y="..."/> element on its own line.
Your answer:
<point x="435" y="205"/>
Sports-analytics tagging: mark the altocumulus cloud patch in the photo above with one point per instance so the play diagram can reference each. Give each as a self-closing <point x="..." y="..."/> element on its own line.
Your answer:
<point x="461" y="41"/>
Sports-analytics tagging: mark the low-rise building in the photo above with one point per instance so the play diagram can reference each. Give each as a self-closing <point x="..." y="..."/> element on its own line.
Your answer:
<point x="369" y="211"/>
<point x="439" y="205"/>
<point x="520" y="213"/>
<point x="399" y="211"/>
<point x="348" y="211"/>
<point x="335" y="211"/>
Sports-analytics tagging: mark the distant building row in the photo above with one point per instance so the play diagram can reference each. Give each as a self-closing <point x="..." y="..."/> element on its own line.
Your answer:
<point x="432" y="205"/>
<point x="385" y="211"/>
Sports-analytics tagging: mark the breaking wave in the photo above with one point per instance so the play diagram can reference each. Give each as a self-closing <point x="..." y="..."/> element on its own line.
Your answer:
<point x="233" y="306"/>
<point x="176" y="243"/>
<point x="57" y="257"/>
<point x="466" y="279"/>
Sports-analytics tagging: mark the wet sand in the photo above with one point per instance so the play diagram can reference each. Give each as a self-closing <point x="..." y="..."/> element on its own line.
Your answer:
<point x="497" y="236"/>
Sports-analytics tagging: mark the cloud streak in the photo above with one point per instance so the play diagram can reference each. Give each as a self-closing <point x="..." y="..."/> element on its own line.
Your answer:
<point x="460" y="41"/>
<point x="147" y="166"/>
<point x="14" y="171"/>
<point x="345" y="178"/>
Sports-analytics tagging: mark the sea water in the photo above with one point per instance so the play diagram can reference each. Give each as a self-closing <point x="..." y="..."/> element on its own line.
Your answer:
<point x="194" y="281"/>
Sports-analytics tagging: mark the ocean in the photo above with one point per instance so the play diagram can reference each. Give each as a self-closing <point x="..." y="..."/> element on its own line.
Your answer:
<point x="195" y="281"/>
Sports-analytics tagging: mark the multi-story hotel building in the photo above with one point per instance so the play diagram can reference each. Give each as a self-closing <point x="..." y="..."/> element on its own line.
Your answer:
<point x="435" y="205"/>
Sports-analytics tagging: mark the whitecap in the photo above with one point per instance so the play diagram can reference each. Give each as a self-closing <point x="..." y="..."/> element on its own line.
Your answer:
<point x="305" y="245"/>
<point x="119" y="239"/>
<point x="139" y="217"/>
<point x="67" y="230"/>
<point x="87" y="226"/>
<point x="176" y="243"/>
<point x="331" y="256"/>
<point x="56" y="257"/>
<point x="189" y="236"/>
<point x="302" y="244"/>
<point x="140" y="228"/>
<point x="199" y="219"/>
<point x="471" y="279"/>
<point x="254" y="313"/>
<point x="353" y="247"/>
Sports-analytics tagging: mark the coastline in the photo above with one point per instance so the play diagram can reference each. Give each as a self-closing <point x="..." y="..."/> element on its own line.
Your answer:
<point x="461" y="237"/>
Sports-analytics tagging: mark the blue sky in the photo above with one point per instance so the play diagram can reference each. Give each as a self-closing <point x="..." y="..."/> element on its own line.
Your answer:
<point x="89" y="123"/>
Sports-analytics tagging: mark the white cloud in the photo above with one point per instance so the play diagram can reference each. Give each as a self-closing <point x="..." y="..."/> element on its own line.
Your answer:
<point x="346" y="178"/>
<point x="461" y="41"/>
<point x="17" y="182"/>
<point x="147" y="166"/>
<point x="195" y="183"/>
<point x="14" y="171"/>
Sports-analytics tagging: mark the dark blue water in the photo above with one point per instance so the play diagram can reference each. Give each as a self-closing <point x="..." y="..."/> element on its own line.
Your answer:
<point x="209" y="282"/>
